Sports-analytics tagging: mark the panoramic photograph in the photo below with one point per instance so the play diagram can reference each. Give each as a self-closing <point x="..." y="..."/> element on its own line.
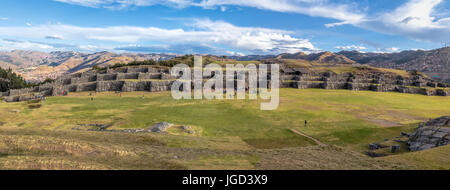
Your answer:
<point x="227" y="85"/>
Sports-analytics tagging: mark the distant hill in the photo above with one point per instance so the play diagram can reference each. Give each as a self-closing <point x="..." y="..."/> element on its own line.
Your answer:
<point x="322" y="57"/>
<point x="435" y="63"/>
<point x="251" y="57"/>
<point x="38" y="66"/>
<point x="7" y="65"/>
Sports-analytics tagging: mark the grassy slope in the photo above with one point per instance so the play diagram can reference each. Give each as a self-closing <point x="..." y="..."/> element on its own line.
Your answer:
<point x="234" y="134"/>
<point x="432" y="159"/>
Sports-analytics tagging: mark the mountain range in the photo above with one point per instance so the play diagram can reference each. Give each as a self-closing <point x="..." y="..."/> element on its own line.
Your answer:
<point x="37" y="66"/>
<point x="435" y="63"/>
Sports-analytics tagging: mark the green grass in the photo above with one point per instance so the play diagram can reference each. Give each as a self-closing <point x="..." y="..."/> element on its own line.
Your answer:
<point x="348" y="119"/>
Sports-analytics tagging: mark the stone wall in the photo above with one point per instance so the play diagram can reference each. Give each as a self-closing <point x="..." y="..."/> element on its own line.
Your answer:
<point x="136" y="86"/>
<point x="103" y="86"/>
<point x="155" y="79"/>
<point x="379" y="82"/>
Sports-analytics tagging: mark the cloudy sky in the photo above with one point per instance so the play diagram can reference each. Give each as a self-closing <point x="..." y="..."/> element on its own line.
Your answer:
<point x="230" y="27"/>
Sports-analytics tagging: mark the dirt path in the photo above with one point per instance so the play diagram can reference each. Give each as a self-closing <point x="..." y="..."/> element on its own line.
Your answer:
<point x="309" y="137"/>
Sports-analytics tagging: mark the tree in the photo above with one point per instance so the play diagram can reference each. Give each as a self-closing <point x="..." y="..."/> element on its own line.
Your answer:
<point x="10" y="80"/>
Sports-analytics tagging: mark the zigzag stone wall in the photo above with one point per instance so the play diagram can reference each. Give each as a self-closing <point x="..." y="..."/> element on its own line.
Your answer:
<point x="154" y="79"/>
<point x="126" y="79"/>
<point x="380" y="82"/>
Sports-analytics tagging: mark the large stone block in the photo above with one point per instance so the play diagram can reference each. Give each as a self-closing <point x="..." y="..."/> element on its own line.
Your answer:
<point x="146" y="76"/>
<point x="334" y="85"/>
<point x="103" y="86"/>
<point x="92" y="86"/>
<point x="12" y="98"/>
<point x="66" y="81"/>
<point x="123" y="76"/>
<point x="79" y="80"/>
<point x="136" y="86"/>
<point x="157" y="86"/>
<point x="107" y="77"/>
<point x="358" y="86"/>
<point x="289" y="77"/>
<point x="442" y="92"/>
<point x="414" y="90"/>
<point x="17" y="92"/>
<point x="288" y="84"/>
<point x="165" y="76"/>
<point x="141" y="69"/>
<point x="91" y="77"/>
<point x="309" y="84"/>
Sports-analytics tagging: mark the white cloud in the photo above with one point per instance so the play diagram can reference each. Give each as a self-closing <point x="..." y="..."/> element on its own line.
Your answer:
<point x="9" y="44"/>
<point x="3" y="18"/>
<point x="319" y="8"/>
<point x="28" y="24"/>
<point x="392" y="49"/>
<point x="215" y="33"/>
<point x="90" y="48"/>
<point x="232" y="53"/>
<point x="121" y="4"/>
<point x="347" y="14"/>
<point x="387" y="50"/>
<point x="54" y="37"/>
<point x="351" y="47"/>
<point x="417" y="19"/>
<point x="6" y="45"/>
<point x="414" y="14"/>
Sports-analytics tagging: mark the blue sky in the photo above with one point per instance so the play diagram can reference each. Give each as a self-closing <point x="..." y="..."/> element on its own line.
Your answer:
<point x="231" y="27"/>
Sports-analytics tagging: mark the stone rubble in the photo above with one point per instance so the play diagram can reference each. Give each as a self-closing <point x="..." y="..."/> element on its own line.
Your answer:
<point x="160" y="127"/>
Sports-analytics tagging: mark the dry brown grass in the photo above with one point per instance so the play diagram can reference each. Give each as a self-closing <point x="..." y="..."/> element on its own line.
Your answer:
<point x="67" y="150"/>
<point x="431" y="159"/>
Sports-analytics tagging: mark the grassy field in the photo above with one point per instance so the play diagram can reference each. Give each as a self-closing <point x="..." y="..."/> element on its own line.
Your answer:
<point x="230" y="134"/>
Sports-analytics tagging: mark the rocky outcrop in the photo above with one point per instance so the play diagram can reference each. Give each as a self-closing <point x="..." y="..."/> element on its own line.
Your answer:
<point x="432" y="134"/>
<point x="160" y="127"/>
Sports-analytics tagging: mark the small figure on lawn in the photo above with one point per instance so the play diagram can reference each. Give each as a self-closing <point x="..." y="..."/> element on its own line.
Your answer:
<point x="306" y="123"/>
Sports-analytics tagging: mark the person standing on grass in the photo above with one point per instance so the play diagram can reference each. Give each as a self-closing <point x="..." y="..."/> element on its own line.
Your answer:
<point x="306" y="123"/>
